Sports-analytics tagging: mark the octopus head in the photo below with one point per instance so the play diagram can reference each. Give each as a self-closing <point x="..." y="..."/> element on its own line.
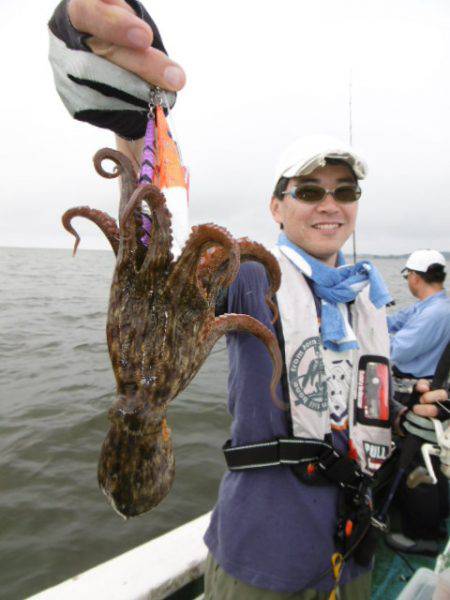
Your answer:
<point x="137" y="465"/>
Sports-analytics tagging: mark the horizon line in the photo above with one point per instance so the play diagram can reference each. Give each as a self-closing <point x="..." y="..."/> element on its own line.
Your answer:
<point x="376" y="254"/>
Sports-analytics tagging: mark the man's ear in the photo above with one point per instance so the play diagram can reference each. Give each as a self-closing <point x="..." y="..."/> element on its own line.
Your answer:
<point x="275" y="209"/>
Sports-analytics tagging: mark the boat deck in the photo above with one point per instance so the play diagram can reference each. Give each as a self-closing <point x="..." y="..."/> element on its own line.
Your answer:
<point x="171" y="567"/>
<point x="392" y="571"/>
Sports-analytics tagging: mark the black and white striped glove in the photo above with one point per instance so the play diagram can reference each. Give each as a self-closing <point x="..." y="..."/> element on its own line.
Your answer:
<point x="94" y="89"/>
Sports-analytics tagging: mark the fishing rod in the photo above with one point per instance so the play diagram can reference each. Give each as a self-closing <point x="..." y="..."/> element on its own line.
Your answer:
<point x="350" y="141"/>
<point x="423" y="426"/>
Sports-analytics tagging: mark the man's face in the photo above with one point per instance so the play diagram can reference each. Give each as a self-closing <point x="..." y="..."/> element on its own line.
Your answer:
<point x="320" y="228"/>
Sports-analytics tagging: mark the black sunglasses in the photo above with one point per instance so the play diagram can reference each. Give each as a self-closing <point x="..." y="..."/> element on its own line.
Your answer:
<point x="405" y="272"/>
<point x="311" y="193"/>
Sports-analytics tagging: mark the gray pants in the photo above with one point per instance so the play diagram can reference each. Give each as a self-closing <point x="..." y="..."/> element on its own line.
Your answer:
<point x="221" y="586"/>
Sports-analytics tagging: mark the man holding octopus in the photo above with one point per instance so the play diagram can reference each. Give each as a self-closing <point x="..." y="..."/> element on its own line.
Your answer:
<point x="277" y="531"/>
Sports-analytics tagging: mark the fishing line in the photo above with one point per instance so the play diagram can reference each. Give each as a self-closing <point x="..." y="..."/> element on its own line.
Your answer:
<point x="350" y="140"/>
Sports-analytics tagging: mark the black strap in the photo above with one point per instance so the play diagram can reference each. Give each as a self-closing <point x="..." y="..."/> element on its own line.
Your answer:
<point x="340" y="469"/>
<point x="280" y="451"/>
<point x="335" y="467"/>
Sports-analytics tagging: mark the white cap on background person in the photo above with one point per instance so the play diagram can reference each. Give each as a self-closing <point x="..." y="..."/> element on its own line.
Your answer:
<point x="421" y="260"/>
<point x="307" y="153"/>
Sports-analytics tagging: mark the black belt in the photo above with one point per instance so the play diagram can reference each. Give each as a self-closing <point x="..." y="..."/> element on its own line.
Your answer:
<point x="336" y="467"/>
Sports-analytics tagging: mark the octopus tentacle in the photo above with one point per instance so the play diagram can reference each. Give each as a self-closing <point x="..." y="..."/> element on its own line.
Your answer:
<point x="211" y="269"/>
<point x="246" y="324"/>
<point x="203" y="237"/>
<point x="214" y="262"/>
<point x="106" y="223"/>
<point x="158" y="253"/>
<point x="252" y="251"/>
<point x="123" y="167"/>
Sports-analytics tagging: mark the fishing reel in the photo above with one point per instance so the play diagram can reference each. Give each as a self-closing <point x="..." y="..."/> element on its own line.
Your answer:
<point x="436" y="433"/>
<point x="440" y="449"/>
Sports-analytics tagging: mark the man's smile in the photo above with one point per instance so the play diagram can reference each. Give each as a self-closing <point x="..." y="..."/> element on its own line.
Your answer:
<point x="327" y="226"/>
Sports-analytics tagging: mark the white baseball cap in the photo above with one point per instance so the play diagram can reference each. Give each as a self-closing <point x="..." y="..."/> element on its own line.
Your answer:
<point x="421" y="260"/>
<point x="307" y="153"/>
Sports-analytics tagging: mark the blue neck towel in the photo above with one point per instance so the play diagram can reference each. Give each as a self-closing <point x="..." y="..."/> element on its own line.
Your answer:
<point x="334" y="287"/>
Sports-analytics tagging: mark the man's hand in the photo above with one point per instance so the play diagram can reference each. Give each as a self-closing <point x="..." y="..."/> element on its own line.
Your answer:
<point x="105" y="55"/>
<point x="428" y="399"/>
<point x="418" y="419"/>
<point x="120" y="36"/>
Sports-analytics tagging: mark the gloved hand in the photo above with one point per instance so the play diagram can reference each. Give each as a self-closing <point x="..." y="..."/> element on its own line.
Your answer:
<point x="104" y="55"/>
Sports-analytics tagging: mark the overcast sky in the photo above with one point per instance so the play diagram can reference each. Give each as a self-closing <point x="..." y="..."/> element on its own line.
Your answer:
<point x="259" y="75"/>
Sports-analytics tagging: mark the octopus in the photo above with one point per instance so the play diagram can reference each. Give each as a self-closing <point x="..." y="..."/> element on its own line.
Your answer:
<point x="161" y="326"/>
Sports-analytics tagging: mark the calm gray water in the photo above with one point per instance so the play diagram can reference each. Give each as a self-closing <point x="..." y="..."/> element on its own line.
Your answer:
<point x="56" y="386"/>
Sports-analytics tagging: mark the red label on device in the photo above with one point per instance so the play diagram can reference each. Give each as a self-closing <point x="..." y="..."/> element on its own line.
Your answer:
<point x="375" y="392"/>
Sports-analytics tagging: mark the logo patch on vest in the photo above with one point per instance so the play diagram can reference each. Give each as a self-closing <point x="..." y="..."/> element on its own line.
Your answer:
<point x="307" y="377"/>
<point x="376" y="454"/>
<point x="339" y="375"/>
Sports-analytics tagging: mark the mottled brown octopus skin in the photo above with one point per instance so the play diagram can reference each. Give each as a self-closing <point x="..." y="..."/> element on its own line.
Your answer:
<point x="160" y="329"/>
<point x="249" y="251"/>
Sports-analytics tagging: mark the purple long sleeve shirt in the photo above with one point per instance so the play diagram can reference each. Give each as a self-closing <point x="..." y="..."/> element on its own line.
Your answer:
<point x="268" y="529"/>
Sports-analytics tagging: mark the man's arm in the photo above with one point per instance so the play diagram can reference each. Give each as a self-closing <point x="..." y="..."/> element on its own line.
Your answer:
<point x="397" y="320"/>
<point x="247" y="293"/>
<point x="417" y="337"/>
<point x="132" y="149"/>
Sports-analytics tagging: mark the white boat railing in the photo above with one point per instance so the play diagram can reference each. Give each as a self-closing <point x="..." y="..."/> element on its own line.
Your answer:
<point x="153" y="571"/>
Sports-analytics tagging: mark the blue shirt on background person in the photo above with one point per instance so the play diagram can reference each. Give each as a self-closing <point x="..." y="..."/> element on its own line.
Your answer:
<point x="420" y="332"/>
